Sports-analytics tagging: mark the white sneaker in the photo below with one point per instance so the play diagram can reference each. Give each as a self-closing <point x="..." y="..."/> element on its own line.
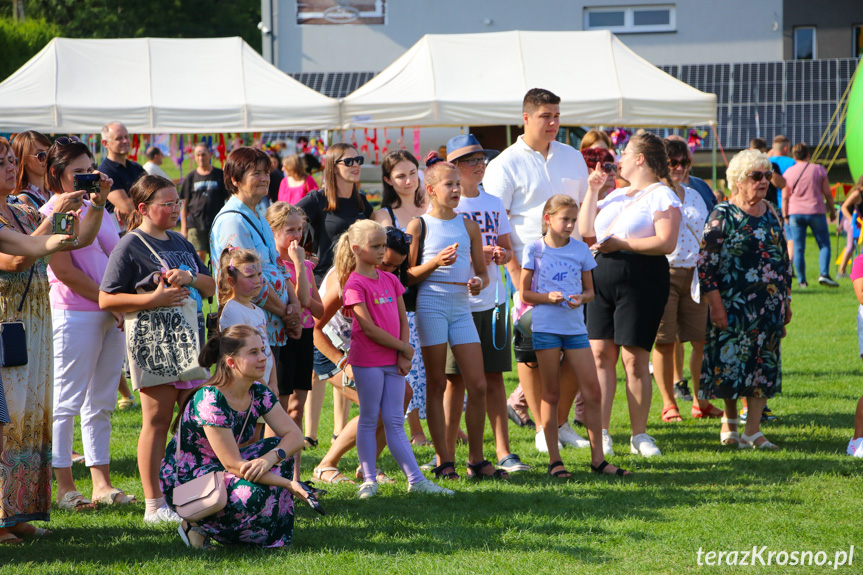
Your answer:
<point x="429" y="486"/>
<point x="368" y="489"/>
<point x="644" y="445"/>
<point x="568" y="436"/>
<point x="163" y="514"/>
<point x="607" y="444"/>
<point x="855" y="448"/>
<point x="540" y="443"/>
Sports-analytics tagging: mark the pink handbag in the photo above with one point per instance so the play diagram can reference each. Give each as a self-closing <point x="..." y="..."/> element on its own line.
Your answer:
<point x="206" y="495"/>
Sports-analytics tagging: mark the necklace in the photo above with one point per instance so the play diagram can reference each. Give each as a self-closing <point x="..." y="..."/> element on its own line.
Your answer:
<point x="759" y="208"/>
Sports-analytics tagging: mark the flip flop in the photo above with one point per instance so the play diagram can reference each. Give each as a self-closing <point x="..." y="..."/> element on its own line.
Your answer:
<point x="117" y="497"/>
<point x="74" y="501"/>
<point x="10" y="539"/>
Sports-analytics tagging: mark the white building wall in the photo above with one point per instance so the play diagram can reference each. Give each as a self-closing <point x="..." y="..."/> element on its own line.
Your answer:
<point x="706" y="30"/>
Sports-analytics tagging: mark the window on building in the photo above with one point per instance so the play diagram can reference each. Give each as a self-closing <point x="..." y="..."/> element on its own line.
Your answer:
<point x="858" y="41"/>
<point x="804" y="43"/>
<point x="631" y="19"/>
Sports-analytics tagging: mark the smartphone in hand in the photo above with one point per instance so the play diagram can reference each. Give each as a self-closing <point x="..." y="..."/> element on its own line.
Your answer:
<point x="63" y="224"/>
<point x="90" y="183"/>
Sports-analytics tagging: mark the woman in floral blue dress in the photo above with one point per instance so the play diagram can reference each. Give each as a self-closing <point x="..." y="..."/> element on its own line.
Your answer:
<point x="745" y="275"/>
<point x="258" y="476"/>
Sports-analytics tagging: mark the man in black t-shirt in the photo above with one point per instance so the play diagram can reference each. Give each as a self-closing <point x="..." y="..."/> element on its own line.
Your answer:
<point x="124" y="172"/>
<point x="203" y="194"/>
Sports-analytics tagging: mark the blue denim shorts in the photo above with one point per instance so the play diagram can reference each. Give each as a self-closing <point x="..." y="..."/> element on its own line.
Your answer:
<point x="323" y="366"/>
<point x="552" y="340"/>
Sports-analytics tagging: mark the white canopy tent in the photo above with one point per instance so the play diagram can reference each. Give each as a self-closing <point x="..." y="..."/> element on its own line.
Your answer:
<point x="481" y="79"/>
<point x="157" y="85"/>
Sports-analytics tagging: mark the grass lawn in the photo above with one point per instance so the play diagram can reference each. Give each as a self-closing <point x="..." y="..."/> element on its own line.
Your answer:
<point x="697" y="495"/>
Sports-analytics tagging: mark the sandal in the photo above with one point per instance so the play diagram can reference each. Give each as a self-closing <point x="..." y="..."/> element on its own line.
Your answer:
<point x="560" y="473"/>
<point x="311" y="498"/>
<point x="74" y="501"/>
<point x="125" y="403"/>
<point x="380" y="476"/>
<point x="7" y="538"/>
<point x="670" y="414"/>
<point x="185" y="528"/>
<point x="600" y="469"/>
<point x="712" y="412"/>
<point x="748" y="442"/>
<point x="439" y="471"/>
<point x="309" y="443"/>
<point x="729" y="437"/>
<point x="117" y="497"/>
<point x="26" y="530"/>
<point x="416" y="442"/>
<point x="474" y="471"/>
<point x="335" y="478"/>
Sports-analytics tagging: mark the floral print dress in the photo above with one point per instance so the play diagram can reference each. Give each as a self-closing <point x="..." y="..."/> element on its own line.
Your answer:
<point x="255" y="514"/>
<point x="746" y="259"/>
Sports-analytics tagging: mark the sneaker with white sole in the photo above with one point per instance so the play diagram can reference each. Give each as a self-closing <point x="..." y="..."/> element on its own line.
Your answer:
<point x="644" y="445"/>
<point x="568" y="436"/>
<point x="607" y="443"/>
<point x="163" y="514"/>
<point x="367" y="489"/>
<point x="827" y="281"/>
<point x="429" y="486"/>
<point x="855" y="448"/>
<point x="540" y="443"/>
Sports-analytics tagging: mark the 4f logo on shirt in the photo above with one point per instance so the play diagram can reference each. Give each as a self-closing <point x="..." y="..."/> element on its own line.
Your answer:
<point x="559" y="276"/>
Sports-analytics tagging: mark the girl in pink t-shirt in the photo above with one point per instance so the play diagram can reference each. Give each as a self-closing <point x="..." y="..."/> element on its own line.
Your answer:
<point x="855" y="445"/>
<point x="380" y="354"/>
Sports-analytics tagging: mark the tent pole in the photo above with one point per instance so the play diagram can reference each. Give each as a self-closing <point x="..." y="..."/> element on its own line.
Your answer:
<point x="508" y="135"/>
<point x="713" y="156"/>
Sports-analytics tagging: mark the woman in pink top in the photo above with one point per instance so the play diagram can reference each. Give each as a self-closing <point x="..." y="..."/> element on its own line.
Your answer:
<point x="803" y="204"/>
<point x="297" y="183"/>
<point x="88" y="344"/>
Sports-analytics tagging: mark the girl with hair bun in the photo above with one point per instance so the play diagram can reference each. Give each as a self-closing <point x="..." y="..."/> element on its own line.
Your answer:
<point x="633" y="228"/>
<point x="211" y="428"/>
<point x="451" y="243"/>
<point x="134" y="280"/>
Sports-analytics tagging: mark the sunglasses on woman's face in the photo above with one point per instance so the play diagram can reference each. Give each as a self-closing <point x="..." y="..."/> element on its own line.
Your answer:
<point x="608" y="167"/>
<point x="400" y="236"/>
<point x="474" y="162"/>
<point x="358" y="160"/>
<point x="41" y="156"/>
<point x="756" y="175"/>
<point x="674" y="163"/>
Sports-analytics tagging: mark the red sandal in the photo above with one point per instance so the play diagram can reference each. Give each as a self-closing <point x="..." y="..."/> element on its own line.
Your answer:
<point x="713" y="412"/>
<point x="669" y="415"/>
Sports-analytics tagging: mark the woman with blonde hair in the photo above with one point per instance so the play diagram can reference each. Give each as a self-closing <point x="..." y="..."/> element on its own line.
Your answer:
<point x="296" y="184"/>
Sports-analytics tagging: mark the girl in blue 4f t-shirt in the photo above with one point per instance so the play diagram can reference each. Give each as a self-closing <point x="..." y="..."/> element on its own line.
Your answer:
<point x="562" y="285"/>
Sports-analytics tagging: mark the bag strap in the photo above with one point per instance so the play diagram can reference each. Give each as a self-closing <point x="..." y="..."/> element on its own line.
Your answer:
<point x="421" y="239"/>
<point x="245" y="217"/>
<point x="803" y="171"/>
<point x="392" y="215"/>
<point x="180" y="435"/>
<point x="149" y="247"/>
<point x="646" y="191"/>
<point x="538" y="249"/>
<point x="32" y="268"/>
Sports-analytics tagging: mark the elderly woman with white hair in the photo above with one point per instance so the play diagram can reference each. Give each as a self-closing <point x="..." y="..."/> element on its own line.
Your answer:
<point x="745" y="275"/>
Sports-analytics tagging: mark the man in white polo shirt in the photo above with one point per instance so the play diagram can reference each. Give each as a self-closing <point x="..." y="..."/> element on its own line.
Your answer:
<point x="524" y="176"/>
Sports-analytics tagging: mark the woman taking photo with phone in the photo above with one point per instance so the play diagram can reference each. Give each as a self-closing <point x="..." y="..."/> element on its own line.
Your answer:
<point x="24" y="462"/>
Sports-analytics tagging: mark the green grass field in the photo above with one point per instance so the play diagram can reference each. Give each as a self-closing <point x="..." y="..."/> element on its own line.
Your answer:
<point x="698" y="495"/>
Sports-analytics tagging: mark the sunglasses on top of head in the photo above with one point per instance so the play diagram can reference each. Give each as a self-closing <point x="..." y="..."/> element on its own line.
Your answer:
<point x="673" y="163"/>
<point x="757" y="175"/>
<point x="399" y="235"/>
<point x="66" y="140"/>
<point x="358" y="160"/>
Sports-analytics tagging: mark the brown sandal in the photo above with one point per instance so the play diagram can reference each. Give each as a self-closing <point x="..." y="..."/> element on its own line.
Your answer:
<point x="335" y="478"/>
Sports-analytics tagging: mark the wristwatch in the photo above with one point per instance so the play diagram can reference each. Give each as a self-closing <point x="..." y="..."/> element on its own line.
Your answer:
<point x="280" y="453"/>
<point x="194" y="276"/>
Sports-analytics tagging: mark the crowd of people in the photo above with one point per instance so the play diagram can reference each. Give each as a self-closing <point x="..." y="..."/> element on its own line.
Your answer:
<point x="404" y="310"/>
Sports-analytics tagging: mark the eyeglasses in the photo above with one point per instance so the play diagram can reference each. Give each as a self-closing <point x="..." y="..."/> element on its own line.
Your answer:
<point x="66" y="140"/>
<point x="756" y="175"/>
<point x="674" y="163"/>
<point x="608" y="167"/>
<point x="474" y="162"/>
<point x="171" y="205"/>
<point x="358" y="160"/>
<point x="41" y="156"/>
<point x="399" y="235"/>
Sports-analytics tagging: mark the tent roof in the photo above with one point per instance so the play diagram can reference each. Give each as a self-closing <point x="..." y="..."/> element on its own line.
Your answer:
<point x="481" y="79"/>
<point x="158" y="85"/>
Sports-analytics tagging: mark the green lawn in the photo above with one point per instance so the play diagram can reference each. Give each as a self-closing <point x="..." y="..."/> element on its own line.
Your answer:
<point x="697" y="495"/>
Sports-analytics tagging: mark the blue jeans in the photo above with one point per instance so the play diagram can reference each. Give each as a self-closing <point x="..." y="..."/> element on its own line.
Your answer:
<point x="797" y="226"/>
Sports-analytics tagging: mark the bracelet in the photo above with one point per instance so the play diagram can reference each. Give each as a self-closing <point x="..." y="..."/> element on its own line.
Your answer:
<point x="98" y="206"/>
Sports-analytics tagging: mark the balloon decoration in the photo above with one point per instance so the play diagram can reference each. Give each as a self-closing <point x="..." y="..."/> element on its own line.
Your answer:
<point x="221" y="150"/>
<point x="696" y="138"/>
<point x="619" y="137"/>
<point x="416" y="134"/>
<point x="401" y="141"/>
<point x="133" y="152"/>
<point x="854" y="129"/>
<point x="387" y="143"/>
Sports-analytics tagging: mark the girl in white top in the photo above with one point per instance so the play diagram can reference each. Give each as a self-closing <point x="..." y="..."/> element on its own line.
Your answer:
<point x="634" y="230"/>
<point x="240" y="280"/>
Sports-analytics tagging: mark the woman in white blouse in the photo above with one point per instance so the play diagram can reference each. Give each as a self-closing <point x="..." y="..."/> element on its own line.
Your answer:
<point x="634" y="229"/>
